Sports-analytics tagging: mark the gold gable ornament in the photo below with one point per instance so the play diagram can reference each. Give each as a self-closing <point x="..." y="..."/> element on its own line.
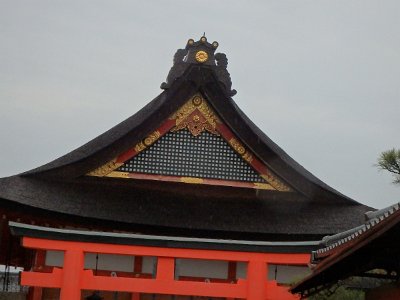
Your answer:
<point x="196" y="116"/>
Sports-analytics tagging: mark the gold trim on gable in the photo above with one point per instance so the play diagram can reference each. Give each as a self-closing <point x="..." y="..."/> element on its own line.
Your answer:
<point x="264" y="186"/>
<point x="272" y="181"/>
<point x="191" y="180"/>
<point x="241" y="150"/>
<point x="112" y="165"/>
<point x="276" y="183"/>
<point x="117" y="174"/>
<point x="197" y="116"/>
<point x="148" y="141"/>
<point x="105" y="169"/>
<point x="206" y="119"/>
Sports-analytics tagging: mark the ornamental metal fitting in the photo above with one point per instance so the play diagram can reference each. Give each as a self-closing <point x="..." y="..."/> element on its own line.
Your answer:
<point x="200" y="53"/>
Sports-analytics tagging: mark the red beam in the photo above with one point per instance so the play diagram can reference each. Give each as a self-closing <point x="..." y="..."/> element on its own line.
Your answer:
<point x="273" y="258"/>
<point x="163" y="286"/>
<point x="50" y="280"/>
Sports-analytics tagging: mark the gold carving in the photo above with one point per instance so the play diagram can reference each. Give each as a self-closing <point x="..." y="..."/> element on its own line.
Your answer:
<point x="197" y="100"/>
<point x="263" y="186"/>
<point x="140" y="147"/>
<point x="117" y="174"/>
<point x="247" y="157"/>
<point x="276" y="183"/>
<point x="108" y="168"/>
<point x="201" y="56"/>
<point x="105" y="169"/>
<point x="148" y="141"/>
<point x="152" y="138"/>
<point x="238" y="147"/>
<point x="191" y="180"/>
<point x="196" y="123"/>
<point x="272" y="181"/>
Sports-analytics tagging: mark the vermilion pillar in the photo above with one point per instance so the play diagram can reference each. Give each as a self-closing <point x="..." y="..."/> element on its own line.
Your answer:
<point x="137" y="268"/>
<point x="165" y="268"/>
<point x="72" y="270"/>
<point x="35" y="293"/>
<point x="256" y="278"/>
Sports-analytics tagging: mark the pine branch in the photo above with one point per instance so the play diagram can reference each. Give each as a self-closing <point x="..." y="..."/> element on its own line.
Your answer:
<point x="390" y="161"/>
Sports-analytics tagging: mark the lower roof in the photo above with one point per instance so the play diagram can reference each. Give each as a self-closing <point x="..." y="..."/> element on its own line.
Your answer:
<point x="373" y="245"/>
<point x="183" y="209"/>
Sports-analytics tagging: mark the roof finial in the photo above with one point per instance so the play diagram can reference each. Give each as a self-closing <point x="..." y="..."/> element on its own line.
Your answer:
<point x="200" y="52"/>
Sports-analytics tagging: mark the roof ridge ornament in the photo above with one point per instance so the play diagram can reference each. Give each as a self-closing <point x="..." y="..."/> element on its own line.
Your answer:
<point x="200" y="53"/>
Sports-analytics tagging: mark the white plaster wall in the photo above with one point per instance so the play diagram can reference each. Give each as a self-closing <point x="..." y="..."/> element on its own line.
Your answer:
<point x="110" y="262"/>
<point x="184" y="267"/>
<point x="54" y="258"/>
<point x="107" y="262"/>
<point x="149" y="265"/>
<point x="201" y="268"/>
<point x="241" y="270"/>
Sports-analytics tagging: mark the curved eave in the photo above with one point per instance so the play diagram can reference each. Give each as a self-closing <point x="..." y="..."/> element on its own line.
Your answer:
<point x="179" y="208"/>
<point x="196" y="78"/>
<point x="19" y="229"/>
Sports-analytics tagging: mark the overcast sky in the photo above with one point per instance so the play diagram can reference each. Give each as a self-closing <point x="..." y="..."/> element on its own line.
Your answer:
<point x="321" y="78"/>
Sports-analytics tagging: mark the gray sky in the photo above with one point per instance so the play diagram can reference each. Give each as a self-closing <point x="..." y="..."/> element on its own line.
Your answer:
<point x="321" y="78"/>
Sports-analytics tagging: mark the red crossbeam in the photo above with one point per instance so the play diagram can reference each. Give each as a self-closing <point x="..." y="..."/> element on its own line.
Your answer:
<point x="272" y="258"/>
<point x="48" y="280"/>
<point x="162" y="286"/>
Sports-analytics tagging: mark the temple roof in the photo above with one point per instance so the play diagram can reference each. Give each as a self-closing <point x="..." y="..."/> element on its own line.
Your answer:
<point x="355" y="252"/>
<point x="269" y="195"/>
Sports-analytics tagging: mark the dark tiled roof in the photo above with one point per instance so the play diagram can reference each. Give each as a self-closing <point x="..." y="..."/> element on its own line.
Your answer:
<point x="314" y="209"/>
<point x="201" y="210"/>
<point x="121" y="137"/>
<point x="372" y="245"/>
<point x="342" y="239"/>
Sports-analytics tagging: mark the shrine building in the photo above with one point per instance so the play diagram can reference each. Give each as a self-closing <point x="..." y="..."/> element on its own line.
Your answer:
<point x="186" y="199"/>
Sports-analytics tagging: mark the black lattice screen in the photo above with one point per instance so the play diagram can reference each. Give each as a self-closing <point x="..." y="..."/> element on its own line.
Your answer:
<point x="182" y="154"/>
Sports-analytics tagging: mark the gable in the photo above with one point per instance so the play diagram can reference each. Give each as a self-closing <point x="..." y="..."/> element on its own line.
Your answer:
<point x="181" y="154"/>
<point x="193" y="146"/>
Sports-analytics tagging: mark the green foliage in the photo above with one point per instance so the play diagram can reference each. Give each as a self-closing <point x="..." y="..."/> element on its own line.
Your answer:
<point x="390" y="161"/>
<point x="347" y="289"/>
<point x="341" y="293"/>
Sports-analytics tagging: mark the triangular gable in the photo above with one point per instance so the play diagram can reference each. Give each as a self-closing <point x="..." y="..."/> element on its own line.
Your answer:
<point x="193" y="146"/>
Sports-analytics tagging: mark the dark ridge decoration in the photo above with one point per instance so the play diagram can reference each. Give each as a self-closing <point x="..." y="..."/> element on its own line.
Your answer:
<point x="200" y="52"/>
<point x="181" y="154"/>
